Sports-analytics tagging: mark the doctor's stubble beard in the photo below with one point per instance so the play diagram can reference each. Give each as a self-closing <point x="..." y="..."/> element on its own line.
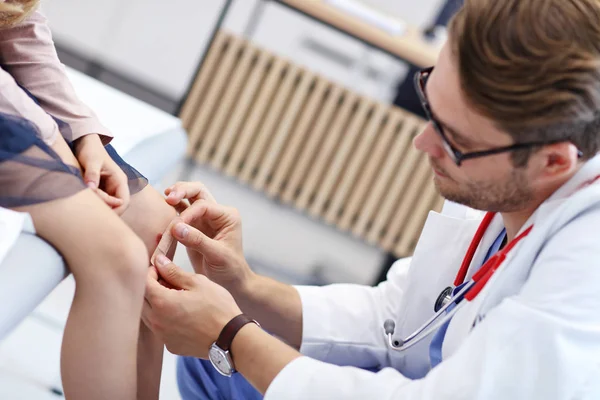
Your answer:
<point x="510" y="194"/>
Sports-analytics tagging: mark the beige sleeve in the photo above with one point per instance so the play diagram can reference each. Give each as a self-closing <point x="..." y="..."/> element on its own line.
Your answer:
<point x="27" y="53"/>
<point x="14" y="101"/>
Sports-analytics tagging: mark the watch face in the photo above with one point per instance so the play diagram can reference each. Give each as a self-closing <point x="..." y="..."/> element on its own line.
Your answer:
<point x="220" y="360"/>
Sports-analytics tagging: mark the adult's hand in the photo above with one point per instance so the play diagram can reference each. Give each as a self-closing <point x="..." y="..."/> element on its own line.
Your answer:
<point x="187" y="316"/>
<point x="190" y="317"/>
<point x="212" y="234"/>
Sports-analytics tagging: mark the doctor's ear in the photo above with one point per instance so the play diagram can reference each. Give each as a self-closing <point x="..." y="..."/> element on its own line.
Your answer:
<point x="559" y="159"/>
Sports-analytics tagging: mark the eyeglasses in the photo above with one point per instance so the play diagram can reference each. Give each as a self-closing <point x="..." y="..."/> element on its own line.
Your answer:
<point x="456" y="155"/>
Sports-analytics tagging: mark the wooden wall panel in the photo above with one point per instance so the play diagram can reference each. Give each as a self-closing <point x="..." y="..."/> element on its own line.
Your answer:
<point x="310" y="143"/>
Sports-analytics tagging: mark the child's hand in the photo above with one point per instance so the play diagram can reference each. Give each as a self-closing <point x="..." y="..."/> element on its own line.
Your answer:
<point x="101" y="173"/>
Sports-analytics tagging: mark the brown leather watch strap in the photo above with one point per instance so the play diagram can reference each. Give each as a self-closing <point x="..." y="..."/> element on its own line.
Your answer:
<point x="231" y="329"/>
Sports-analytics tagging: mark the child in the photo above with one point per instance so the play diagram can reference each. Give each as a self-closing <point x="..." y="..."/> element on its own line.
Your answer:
<point x="97" y="211"/>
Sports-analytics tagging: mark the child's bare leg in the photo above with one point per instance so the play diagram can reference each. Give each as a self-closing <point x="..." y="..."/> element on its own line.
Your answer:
<point x="148" y="215"/>
<point x="109" y="263"/>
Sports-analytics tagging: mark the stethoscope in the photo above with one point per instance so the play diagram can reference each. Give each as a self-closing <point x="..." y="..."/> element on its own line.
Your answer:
<point x="468" y="291"/>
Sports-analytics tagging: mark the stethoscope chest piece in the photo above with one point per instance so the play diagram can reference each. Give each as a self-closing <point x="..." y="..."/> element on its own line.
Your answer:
<point x="467" y="290"/>
<point x="444" y="298"/>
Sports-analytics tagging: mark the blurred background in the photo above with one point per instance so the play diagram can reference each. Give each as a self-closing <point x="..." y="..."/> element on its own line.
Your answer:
<point x="154" y="51"/>
<point x="152" y="48"/>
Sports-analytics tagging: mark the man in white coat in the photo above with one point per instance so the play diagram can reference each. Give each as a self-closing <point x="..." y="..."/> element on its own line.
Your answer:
<point x="514" y="109"/>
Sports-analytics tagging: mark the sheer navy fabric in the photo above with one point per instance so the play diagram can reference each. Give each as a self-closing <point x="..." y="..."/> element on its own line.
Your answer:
<point x="135" y="179"/>
<point x="31" y="172"/>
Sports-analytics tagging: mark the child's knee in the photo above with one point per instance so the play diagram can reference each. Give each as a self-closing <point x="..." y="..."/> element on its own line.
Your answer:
<point x="162" y="219"/>
<point x="125" y="262"/>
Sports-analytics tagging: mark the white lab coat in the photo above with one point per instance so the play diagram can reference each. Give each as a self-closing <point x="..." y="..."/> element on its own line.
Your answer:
<point x="532" y="333"/>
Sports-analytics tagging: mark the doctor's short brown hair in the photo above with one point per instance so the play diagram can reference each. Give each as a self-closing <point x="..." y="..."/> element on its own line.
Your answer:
<point x="14" y="11"/>
<point x="533" y="67"/>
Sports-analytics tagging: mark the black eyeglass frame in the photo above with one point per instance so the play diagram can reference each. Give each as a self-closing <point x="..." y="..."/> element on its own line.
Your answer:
<point x="420" y="80"/>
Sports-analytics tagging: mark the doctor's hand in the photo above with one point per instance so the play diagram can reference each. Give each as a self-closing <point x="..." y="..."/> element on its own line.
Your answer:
<point x="212" y="234"/>
<point x="101" y="173"/>
<point x="187" y="316"/>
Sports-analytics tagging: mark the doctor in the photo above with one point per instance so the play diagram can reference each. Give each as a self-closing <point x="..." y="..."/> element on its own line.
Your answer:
<point x="514" y="109"/>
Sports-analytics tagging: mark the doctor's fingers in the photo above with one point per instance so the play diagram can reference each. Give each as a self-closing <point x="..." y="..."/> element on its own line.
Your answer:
<point x="205" y="217"/>
<point x="151" y="289"/>
<point x="213" y="251"/>
<point x="167" y="238"/>
<point x="214" y="216"/>
<point x="157" y="296"/>
<point x="152" y="320"/>
<point x="191" y="191"/>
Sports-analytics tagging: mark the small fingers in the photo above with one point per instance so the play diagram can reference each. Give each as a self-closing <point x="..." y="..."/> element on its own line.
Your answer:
<point x="111" y="201"/>
<point x="91" y="175"/>
<point x="119" y="187"/>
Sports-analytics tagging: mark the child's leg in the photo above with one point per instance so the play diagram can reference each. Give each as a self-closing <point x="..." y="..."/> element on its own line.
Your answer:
<point x="148" y="215"/>
<point x="109" y="263"/>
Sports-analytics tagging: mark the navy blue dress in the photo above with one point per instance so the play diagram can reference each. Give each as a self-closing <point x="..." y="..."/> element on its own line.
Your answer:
<point x="31" y="172"/>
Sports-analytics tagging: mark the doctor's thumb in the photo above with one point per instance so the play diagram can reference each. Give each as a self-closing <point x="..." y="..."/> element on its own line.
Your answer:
<point x="196" y="240"/>
<point x="171" y="273"/>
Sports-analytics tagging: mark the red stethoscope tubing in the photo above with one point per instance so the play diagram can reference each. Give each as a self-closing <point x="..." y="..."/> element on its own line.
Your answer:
<point x="470" y="290"/>
<point x="483" y="275"/>
<point x="464" y="267"/>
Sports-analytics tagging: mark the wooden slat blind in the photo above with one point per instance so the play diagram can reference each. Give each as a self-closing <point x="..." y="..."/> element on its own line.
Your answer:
<point x="310" y="143"/>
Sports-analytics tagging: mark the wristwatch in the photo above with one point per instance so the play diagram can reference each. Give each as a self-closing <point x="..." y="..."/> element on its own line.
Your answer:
<point x="219" y="353"/>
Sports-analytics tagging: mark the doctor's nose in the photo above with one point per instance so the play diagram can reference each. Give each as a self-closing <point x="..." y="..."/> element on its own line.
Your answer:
<point x="429" y="142"/>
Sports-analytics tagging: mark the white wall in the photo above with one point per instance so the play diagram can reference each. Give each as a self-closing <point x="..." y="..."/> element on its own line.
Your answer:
<point x="418" y="13"/>
<point x="159" y="43"/>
